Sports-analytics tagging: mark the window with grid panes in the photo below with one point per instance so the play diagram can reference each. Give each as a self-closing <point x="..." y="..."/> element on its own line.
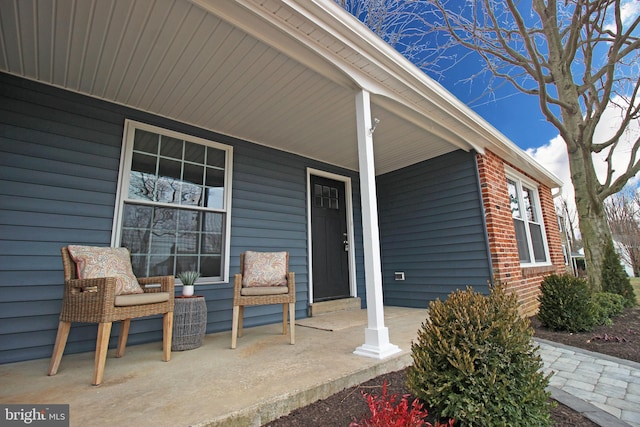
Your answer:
<point x="173" y="203"/>
<point x="527" y="220"/>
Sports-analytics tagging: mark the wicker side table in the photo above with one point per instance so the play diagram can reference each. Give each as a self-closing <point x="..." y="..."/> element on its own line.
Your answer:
<point x="189" y="322"/>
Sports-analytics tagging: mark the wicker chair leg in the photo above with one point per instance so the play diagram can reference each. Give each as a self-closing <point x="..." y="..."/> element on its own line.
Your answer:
<point x="102" y="345"/>
<point x="58" y="348"/>
<point x="241" y="321"/>
<point x="167" y="335"/>
<point x="292" y="321"/>
<point x="122" y="339"/>
<point x="284" y="319"/>
<point x="234" y="326"/>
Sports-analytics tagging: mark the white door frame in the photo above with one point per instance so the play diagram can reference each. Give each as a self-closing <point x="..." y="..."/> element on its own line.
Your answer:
<point x="349" y="213"/>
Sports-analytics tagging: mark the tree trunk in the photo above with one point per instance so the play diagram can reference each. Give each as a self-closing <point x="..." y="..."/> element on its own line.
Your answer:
<point x="634" y="261"/>
<point x="591" y="213"/>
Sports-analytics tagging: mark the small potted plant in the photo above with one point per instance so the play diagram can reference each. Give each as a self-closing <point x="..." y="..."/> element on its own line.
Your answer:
<point x="188" y="279"/>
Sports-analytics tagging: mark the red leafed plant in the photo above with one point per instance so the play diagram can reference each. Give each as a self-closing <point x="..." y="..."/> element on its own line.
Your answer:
<point x="387" y="412"/>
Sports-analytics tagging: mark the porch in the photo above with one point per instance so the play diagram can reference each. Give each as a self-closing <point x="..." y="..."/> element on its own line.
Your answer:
<point x="264" y="378"/>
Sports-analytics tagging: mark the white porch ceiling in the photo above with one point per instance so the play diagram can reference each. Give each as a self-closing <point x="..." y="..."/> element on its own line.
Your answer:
<point x="268" y="71"/>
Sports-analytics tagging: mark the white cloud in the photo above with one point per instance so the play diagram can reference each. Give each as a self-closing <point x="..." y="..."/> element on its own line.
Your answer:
<point x="629" y="10"/>
<point x="553" y="156"/>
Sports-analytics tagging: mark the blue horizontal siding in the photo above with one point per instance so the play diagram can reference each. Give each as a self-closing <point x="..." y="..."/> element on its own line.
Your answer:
<point x="59" y="160"/>
<point x="432" y="229"/>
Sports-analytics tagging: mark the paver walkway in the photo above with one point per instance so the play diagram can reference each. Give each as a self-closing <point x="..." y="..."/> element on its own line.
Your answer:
<point x="604" y="388"/>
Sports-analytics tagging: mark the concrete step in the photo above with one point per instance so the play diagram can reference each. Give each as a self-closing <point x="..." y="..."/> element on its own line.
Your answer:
<point x="323" y="307"/>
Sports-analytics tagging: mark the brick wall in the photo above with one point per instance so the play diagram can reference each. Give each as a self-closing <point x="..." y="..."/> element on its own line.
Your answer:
<point x="525" y="282"/>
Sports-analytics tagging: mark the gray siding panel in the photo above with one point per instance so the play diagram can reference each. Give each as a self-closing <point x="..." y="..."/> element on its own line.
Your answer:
<point x="59" y="159"/>
<point x="432" y="229"/>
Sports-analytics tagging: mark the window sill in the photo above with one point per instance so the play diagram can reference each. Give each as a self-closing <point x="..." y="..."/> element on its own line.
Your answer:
<point x="536" y="270"/>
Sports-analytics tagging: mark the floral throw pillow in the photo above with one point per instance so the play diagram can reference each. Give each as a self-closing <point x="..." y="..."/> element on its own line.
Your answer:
<point x="264" y="269"/>
<point x="94" y="262"/>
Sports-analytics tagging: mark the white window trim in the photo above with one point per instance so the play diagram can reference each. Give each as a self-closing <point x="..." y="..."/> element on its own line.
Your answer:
<point x="520" y="181"/>
<point x="126" y="155"/>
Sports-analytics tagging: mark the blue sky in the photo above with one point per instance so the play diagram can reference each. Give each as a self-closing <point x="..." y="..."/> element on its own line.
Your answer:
<point x="515" y="114"/>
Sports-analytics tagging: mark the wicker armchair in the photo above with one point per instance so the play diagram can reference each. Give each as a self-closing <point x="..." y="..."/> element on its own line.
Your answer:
<point x="284" y="294"/>
<point x="95" y="301"/>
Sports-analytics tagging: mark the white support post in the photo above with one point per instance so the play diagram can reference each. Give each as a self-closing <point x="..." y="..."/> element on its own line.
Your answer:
<point x="376" y="335"/>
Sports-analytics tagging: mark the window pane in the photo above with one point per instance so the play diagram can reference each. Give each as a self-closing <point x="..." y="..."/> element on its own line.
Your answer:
<point x="536" y="240"/>
<point x="514" y="199"/>
<point x="214" y="198"/>
<point x="211" y="243"/>
<point x="521" y="238"/>
<point x="194" y="152"/>
<point x="142" y="186"/>
<point x="213" y="222"/>
<point x="529" y="204"/>
<point x="146" y="142"/>
<point x="215" y="157"/>
<point x="214" y="178"/>
<point x="191" y="195"/>
<point x="163" y="242"/>
<point x="187" y="263"/>
<point x="162" y="266"/>
<point x="140" y="264"/>
<point x="142" y="181"/>
<point x="193" y="173"/>
<point x="170" y="147"/>
<point x="143" y="163"/>
<point x="187" y="243"/>
<point x="317" y="195"/>
<point x="137" y="216"/>
<point x="211" y="266"/>
<point x="137" y="241"/>
<point x="188" y="220"/>
<point x="169" y="169"/>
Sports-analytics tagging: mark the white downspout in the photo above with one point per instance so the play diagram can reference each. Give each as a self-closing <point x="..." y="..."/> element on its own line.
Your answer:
<point x="376" y="335"/>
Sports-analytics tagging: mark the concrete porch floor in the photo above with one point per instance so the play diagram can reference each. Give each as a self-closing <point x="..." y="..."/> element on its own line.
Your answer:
<point x="264" y="378"/>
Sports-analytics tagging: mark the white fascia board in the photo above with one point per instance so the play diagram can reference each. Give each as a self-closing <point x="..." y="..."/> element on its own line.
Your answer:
<point x="528" y="164"/>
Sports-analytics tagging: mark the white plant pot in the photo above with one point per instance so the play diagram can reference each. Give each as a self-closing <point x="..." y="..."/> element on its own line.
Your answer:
<point x="187" y="290"/>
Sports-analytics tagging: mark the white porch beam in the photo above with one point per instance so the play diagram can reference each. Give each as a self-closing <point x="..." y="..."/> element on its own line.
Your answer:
<point x="376" y="335"/>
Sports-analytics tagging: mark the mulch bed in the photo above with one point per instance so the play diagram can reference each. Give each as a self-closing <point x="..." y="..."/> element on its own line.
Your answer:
<point x="622" y="339"/>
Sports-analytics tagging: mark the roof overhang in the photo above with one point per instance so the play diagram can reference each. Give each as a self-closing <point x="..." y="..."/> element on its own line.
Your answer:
<point x="280" y="73"/>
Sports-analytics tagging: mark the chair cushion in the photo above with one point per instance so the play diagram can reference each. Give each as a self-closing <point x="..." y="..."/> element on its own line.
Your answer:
<point x="95" y="262"/>
<point x="264" y="269"/>
<point x="264" y="290"/>
<point x="140" y="299"/>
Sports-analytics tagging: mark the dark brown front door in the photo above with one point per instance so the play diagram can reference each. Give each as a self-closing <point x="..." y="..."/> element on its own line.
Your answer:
<point x="329" y="239"/>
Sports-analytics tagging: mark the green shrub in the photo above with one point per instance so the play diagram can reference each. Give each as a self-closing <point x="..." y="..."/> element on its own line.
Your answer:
<point x="614" y="278"/>
<point x="607" y="306"/>
<point x="565" y="304"/>
<point x="474" y="361"/>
